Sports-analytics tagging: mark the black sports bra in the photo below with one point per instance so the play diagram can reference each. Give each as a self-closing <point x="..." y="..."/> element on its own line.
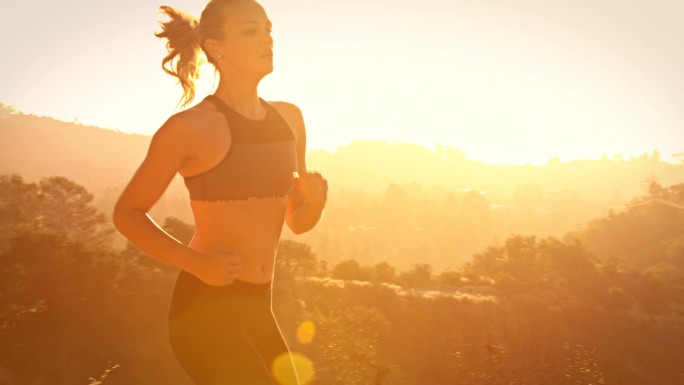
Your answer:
<point x="261" y="160"/>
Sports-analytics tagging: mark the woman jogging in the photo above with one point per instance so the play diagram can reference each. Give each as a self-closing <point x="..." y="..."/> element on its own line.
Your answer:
<point x="243" y="162"/>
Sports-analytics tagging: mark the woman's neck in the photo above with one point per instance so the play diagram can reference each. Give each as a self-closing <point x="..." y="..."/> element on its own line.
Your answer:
<point x="240" y="93"/>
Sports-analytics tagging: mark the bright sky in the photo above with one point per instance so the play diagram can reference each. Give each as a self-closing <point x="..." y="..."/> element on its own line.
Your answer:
<point x="504" y="81"/>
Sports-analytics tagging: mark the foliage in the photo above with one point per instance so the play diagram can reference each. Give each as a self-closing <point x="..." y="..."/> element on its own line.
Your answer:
<point x="55" y="204"/>
<point x="533" y="310"/>
<point x="650" y="231"/>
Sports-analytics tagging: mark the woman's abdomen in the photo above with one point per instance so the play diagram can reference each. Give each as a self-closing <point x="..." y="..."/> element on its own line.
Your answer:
<point x="251" y="229"/>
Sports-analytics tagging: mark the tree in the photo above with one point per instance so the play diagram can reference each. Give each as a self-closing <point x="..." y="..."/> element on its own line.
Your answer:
<point x="565" y="257"/>
<point x="296" y="259"/>
<point x="17" y="206"/>
<point x="384" y="272"/>
<point x="66" y="207"/>
<point x="521" y="253"/>
<point x="7" y="109"/>
<point x="420" y="275"/>
<point x="53" y="205"/>
<point x="646" y="232"/>
<point x="351" y="270"/>
<point x="450" y="278"/>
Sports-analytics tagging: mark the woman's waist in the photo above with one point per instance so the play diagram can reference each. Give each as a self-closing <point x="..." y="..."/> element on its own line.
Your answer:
<point x="229" y="302"/>
<point x="238" y="288"/>
<point x="257" y="255"/>
<point x="258" y="245"/>
<point x="219" y="228"/>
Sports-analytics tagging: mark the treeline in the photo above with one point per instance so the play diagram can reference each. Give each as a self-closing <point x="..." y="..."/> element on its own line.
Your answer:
<point x="602" y="305"/>
<point x="584" y="309"/>
<point x="382" y="202"/>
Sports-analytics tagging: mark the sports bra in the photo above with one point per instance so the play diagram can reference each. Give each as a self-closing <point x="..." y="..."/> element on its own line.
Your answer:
<point x="261" y="160"/>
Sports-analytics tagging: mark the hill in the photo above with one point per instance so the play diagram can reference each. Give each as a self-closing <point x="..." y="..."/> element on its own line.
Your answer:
<point x="438" y="203"/>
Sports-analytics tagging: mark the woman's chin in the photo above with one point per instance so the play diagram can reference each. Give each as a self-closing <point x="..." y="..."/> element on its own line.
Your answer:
<point x="265" y="70"/>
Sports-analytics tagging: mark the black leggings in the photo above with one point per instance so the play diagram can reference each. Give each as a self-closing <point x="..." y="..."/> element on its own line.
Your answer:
<point x="227" y="335"/>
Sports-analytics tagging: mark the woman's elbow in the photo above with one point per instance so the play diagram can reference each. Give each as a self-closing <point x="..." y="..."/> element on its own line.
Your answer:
<point x="120" y="217"/>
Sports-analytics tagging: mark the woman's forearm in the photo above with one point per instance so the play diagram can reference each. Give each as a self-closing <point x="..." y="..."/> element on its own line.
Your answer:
<point x="151" y="239"/>
<point x="304" y="217"/>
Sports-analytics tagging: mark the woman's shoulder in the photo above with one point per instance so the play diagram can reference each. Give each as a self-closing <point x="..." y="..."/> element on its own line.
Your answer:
<point x="285" y="107"/>
<point x="189" y="122"/>
<point x="292" y="115"/>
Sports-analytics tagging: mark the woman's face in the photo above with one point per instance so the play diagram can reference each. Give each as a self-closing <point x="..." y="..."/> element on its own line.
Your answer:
<point x="247" y="44"/>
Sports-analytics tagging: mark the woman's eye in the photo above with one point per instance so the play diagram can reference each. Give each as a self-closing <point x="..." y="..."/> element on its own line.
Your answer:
<point x="254" y="32"/>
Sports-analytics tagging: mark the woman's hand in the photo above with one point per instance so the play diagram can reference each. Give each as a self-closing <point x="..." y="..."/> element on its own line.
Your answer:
<point x="215" y="267"/>
<point x="314" y="188"/>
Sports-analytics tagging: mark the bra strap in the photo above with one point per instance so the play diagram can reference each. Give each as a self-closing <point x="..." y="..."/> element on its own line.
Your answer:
<point x="221" y="105"/>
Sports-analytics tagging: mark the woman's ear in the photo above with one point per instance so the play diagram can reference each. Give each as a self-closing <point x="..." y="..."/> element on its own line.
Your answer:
<point x="211" y="47"/>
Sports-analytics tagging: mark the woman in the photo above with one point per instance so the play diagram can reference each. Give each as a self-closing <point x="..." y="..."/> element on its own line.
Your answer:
<point x="243" y="162"/>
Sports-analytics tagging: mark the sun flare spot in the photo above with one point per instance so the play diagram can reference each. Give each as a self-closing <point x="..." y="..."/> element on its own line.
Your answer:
<point x="306" y="332"/>
<point x="282" y="369"/>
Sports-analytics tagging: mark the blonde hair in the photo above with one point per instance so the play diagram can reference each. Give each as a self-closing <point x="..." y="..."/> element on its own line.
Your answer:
<point x="186" y="36"/>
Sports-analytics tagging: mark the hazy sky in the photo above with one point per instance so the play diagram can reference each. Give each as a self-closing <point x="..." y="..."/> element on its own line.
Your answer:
<point x="502" y="80"/>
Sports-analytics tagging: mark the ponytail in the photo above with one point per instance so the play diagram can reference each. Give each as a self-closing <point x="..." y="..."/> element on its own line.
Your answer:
<point x="183" y="41"/>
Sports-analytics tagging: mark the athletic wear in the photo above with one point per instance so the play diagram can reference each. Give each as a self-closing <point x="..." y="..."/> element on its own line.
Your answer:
<point x="225" y="335"/>
<point x="259" y="163"/>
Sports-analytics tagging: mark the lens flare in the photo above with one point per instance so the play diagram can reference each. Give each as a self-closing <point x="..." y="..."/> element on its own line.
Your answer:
<point x="306" y="332"/>
<point x="282" y="369"/>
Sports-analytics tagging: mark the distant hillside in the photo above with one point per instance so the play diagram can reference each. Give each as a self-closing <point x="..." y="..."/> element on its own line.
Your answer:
<point x="31" y="140"/>
<point x="103" y="160"/>
<point x="100" y="159"/>
<point x="392" y="202"/>
<point x="374" y="164"/>
<point x="37" y="146"/>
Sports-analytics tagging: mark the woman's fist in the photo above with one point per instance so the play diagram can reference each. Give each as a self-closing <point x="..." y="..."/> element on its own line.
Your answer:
<point x="313" y="187"/>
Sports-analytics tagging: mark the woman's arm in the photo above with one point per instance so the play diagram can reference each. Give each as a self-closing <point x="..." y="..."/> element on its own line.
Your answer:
<point x="169" y="149"/>
<point x="305" y="204"/>
<point x="303" y="214"/>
